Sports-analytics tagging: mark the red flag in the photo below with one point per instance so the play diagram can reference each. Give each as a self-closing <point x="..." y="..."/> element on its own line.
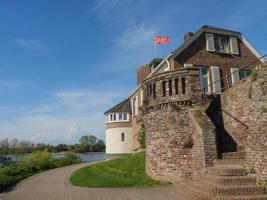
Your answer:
<point x="162" y="39"/>
<point x="158" y="39"/>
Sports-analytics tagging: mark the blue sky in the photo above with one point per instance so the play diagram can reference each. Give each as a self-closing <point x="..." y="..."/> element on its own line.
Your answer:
<point x="64" y="62"/>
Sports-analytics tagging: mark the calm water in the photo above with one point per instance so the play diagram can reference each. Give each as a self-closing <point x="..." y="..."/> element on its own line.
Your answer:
<point x="86" y="157"/>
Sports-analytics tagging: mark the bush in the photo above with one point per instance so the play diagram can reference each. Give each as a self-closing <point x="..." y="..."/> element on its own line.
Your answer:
<point x="37" y="162"/>
<point x="68" y="159"/>
<point x="6" y="181"/>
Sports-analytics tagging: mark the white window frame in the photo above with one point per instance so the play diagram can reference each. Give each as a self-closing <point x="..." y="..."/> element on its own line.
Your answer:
<point x="226" y="47"/>
<point x="115" y="117"/>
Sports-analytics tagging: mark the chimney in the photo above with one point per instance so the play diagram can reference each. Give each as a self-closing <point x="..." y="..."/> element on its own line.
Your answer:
<point x="187" y="36"/>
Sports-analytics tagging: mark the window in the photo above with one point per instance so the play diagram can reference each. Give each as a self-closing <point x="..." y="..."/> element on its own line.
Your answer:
<point x="170" y="87"/>
<point x="110" y="117"/>
<point x="221" y="44"/>
<point x="120" y="116"/>
<point x="164" y="88"/>
<point x="125" y="116"/>
<point x="183" y="85"/>
<point x="122" y="137"/>
<point x="154" y="90"/>
<point x="176" y="86"/>
<point x="244" y="74"/>
<point x="114" y="117"/>
<point x="204" y="79"/>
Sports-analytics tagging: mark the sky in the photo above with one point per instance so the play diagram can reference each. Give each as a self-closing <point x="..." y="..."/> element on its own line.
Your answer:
<point x="64" y="62"/>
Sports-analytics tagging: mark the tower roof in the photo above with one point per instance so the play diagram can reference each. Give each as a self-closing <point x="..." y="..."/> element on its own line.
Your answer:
<point x="124" y="107"/>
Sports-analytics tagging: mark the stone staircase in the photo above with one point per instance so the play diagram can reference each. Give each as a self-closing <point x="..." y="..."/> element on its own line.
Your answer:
<point x="228" y="180"/>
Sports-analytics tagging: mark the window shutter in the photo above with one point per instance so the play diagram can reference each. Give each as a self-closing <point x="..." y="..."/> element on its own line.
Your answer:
<point x="216" y="83"/>
<point x="136" y="105"/>
<point x="142" y="97"/>
<point x="187" y="65"/>
<point x="234" y="45"/>
<point x="210" y="42"/>
<point x="235" y="75"/>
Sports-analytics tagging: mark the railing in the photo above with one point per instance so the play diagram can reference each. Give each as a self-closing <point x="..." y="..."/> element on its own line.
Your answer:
<point x="227" y="79"/>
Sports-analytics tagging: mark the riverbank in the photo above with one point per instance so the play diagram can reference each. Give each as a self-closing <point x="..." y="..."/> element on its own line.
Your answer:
<point x="128" y="171"/>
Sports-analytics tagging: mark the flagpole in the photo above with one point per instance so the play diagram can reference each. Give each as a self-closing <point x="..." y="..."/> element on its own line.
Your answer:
<point x="155" y="47"/>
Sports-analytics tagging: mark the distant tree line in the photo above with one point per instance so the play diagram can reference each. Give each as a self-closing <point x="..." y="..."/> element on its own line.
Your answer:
<point x="87" y="143"/>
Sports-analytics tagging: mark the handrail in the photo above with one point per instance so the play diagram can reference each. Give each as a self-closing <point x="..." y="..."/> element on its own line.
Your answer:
<point x="228" y="75"/>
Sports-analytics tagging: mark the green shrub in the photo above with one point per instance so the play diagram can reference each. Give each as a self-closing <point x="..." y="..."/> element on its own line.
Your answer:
<point x="38" y="161"/>
<point x="252" y="170"/>
<point x="68" y="159"/>
<point x="6" y="181"/>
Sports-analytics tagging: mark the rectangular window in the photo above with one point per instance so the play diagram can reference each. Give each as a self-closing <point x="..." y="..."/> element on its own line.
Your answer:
<point x="221" y="44"/>
<point x="176" y="86"/>
<point x="204" y="79"/>
<point x="114" y="117"/>
<point x="120" y="116"/>
<point x="154" y="90"/>
<point x="244" y="74"/>
<point x="122" y="137"/>
<point x="110" y="117"/>
<point x="170" y="87"/>
<point x="183" y="85"/>
<point x="164" y="88"/>
<point x="125" y="116"/>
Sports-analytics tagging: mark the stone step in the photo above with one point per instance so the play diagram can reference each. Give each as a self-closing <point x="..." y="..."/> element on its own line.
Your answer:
<point x="253" y="197"/>
<point x="229" y="162"/>
<point x="234" y="155"/>
<point x="226" y="170"/>
<point x="237" y="190"/>
<point x="231" y="180"/>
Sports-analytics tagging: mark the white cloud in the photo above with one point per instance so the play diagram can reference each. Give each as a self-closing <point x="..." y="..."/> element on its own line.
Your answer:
<point x="63" y="117"/>
<point x="29" y="43"/>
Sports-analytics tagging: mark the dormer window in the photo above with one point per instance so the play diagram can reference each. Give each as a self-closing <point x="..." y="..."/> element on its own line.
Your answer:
<point x="221" y="44"/>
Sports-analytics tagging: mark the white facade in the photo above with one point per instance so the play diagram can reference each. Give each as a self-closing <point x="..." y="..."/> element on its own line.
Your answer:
<point x="119" y="140"/>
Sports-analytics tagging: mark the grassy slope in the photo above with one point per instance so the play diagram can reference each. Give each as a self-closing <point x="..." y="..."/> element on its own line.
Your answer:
<point x="122" y="172"/>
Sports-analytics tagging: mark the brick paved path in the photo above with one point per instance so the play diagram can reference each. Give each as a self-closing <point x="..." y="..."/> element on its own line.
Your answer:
<point x="54" y="185"/>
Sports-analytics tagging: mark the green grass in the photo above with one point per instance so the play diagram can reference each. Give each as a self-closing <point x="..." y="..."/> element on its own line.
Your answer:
<point x="128" y="171"/>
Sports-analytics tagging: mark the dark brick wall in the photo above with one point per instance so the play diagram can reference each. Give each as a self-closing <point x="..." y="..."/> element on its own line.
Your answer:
<point x="142" y="73"/>
<point x="197" y="55"/>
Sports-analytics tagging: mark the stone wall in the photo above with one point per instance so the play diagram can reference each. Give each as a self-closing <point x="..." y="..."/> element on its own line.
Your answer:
<point x="204" y="137"/>
<point x="167" y="157"/>
<point x="188" y="87"/>
<point x="180" y="142"/>
<point x="244" y="109"/>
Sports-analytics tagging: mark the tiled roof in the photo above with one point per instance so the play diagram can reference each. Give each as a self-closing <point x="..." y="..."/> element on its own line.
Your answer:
<point x="123" y="106"/>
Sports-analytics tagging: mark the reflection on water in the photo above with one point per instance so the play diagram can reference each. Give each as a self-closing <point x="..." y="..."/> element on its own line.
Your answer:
<point x="86" y="157"/>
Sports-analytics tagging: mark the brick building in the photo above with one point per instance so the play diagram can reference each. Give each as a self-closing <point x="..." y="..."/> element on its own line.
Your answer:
<point x="186" y="131"/>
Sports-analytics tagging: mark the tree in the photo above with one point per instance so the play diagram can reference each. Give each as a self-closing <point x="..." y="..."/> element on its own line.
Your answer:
<point x="84" y="140"/>
<point x="13" y="143"/>
<point x="100" y="146"/>
<point x="92" y="139"/>
<point x="4" y="146"/>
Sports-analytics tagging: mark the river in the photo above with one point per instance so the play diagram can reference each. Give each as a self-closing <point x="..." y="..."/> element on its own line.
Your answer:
<point x="86" y="157"/>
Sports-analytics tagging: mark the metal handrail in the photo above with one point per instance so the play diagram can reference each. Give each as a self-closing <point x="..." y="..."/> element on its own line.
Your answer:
<point x="228" y="75"/>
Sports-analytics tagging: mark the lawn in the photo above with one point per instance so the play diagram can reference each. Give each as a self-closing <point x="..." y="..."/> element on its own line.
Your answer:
<point x="128" y="171"/>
